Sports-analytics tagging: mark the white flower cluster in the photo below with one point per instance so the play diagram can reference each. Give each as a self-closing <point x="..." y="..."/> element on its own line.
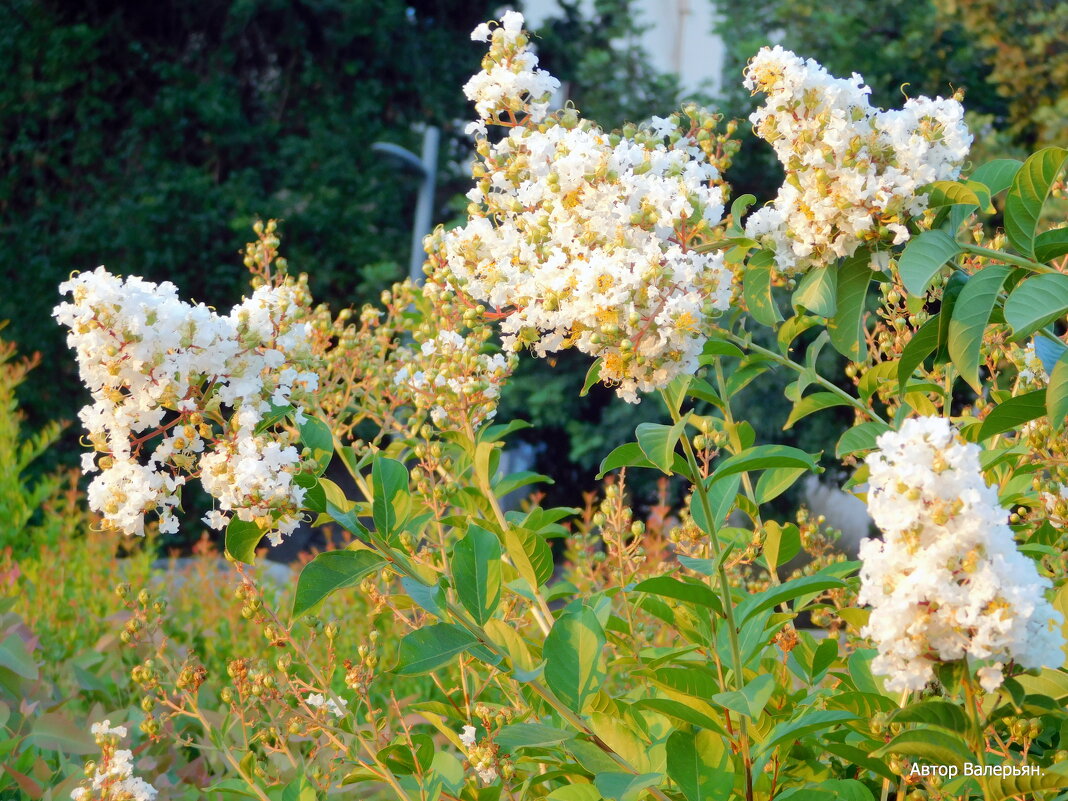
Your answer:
<point x="113" y="779"/>
<point x="480" y="757"/>
<point x="582" y="238"/>
<point x="946" y="581"/>
<point x="853" y="172"/>
<point x="510" y="82"/>
<point x="162" y="372"/>
<point x="448" y="376"/>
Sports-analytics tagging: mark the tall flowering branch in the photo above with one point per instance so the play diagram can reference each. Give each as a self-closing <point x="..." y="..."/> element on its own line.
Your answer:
<point x="582" y="238"/>
<point x="946" y="581"/>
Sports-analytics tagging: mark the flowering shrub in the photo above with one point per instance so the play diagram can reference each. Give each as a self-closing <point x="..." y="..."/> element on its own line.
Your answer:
<point x="678" y="655"/>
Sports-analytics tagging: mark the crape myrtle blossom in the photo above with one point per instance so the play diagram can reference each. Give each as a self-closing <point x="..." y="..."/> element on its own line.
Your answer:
<point x="111" y="778"/>
<point x="853" y="172"/>
<point x="947" y="582"/>
<point x="180" y="391"/>
<point x="581" y="238"/>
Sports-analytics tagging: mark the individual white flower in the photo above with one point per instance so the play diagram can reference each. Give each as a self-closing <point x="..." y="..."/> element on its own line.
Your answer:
<point x="947" y="582"/>
<point x="317" y="701"/>
<point x="467" y="736"/>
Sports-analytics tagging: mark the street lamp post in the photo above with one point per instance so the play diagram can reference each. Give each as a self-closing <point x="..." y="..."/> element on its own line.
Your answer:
<point x="426" y="168"/>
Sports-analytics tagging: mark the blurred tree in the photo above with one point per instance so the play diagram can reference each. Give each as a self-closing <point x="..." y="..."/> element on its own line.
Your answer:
<point x="149" y="136"/>
<point x="598" y="52"/>
<point x="1025" y="46"/>
<point x="902" y="48"/>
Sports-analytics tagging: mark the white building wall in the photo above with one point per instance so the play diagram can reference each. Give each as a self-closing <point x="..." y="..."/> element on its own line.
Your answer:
<point x="678" y="38"/>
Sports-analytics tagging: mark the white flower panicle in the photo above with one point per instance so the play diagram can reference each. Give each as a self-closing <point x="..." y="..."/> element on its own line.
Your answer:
<point x="180" y="391"/>
<point x="581" y="238"/>
<point x="853" y="172"/>
<point x="112" y="779"/>
<point x="947" y="581"/>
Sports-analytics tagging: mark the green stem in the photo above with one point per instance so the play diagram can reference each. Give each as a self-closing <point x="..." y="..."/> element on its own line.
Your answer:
<point x="400" y="566"/>
<point x="823" y="382"/>
<point x="724" y="591"/>
<point x="975" y="725"/>
<point x="1008" y="258"/>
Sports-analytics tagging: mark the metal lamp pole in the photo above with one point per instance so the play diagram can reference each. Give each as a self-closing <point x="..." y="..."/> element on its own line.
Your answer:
<point x="427" y="169"/>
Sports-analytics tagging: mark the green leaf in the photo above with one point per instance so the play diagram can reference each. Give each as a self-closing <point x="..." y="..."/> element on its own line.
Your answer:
<point x="389" y="479"/>
<point x="756" y="289"/>
<point x="300" y="789"/>
<point x="329" y="572"/>
<point x="818" y="291"/>
<point x="860" y="438"/>
<point x="52" y="731"/>
<point x="432" y="647"/>
<point x="624" y="786"/>
<point x="721" y="497"/>
<point x="923" y="257"/>
<point x="846" y="327"/>
<point x="593" y="375"/>
<point x="751" y="699"/>
<point x="574" y="792"/>
<point x="761" y="457"/>
<point x="630" y="455"/>
<point x="316" y="435"/>
<point x="242" y="537"/>
<point x="781" y="593"/>
<point x="921" y="345"/>
<point x="15" y="657"/>
<point x="1028" y="193"/>
<point x="658" y="442"/>
<point x="739" y="207"/>
<point x="781" y="543"/>
<point x="1051" y="245"/>
<point x="951" y="193"/>
<point x="530" y="554"/>
<point x="943" y="714"/>
<point x="530" y="735"/>
<point x="933" y="745"/>
<point x="698" y="763"/>
<point x="970" y="316"/>
<point x="811" y="404"/>
<point x="776" y="481"/>
<point x="1012" y="413"/>
<point x="693" y="592"/>
<point x="573" y="659"/>
<point x="1002" y="788"/>
<point x="1057" y="393"/>
<point x="1036" y="302"/>
<point x="806" y="723"/>
<point x="950" y="293"/>
<point x="476" y="572"/>
<point x="997" y="175"/>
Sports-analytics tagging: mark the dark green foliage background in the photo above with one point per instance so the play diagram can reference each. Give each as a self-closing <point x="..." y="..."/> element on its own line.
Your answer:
<point x="149" y="136"/>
